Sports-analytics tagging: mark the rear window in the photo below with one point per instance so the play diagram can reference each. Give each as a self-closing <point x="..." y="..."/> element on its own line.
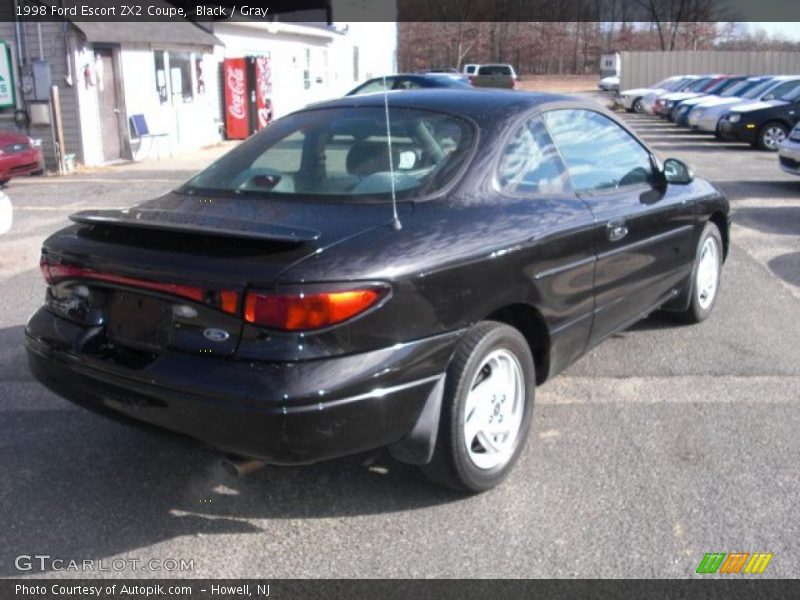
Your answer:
<point x="494" y="70"/>
<point x="344" y="152"/>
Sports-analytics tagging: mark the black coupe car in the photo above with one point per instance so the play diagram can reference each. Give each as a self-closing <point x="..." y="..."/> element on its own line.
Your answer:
<point x="344" y="281"/>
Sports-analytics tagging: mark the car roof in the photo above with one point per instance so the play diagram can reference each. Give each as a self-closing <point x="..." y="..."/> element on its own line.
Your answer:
<point x="472" y="103"/>
<point x="412" y="75"/>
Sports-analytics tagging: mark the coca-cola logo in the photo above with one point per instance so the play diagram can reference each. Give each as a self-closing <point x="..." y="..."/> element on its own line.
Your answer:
<point x="236" y="87"/>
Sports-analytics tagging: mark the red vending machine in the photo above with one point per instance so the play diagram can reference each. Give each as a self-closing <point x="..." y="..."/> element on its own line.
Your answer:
<point x="248" y="92"/>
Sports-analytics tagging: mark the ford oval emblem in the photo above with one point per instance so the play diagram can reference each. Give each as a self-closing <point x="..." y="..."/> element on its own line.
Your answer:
<point x="216" y="335"/>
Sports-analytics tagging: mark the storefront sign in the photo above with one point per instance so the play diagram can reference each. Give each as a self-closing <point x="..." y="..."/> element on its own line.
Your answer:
<point x="6" y="78"/>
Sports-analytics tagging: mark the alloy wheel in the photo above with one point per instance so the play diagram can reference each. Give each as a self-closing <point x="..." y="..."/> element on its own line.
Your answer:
<point x="494" y="409"/>
<point x="773" y="136"/>
<point x="707" y="280"/>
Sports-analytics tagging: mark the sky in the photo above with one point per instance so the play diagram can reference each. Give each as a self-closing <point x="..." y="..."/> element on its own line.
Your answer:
<point x="789" y="29"/>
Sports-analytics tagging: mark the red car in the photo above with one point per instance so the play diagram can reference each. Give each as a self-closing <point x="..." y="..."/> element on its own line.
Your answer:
<point x="19" y="155"/>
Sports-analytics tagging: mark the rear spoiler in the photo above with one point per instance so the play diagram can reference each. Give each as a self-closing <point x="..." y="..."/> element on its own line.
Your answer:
<point x="183" y="222"/>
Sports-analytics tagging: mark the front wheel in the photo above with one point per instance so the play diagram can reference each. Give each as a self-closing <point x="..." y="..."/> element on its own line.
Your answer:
<point x="638" y="107"/>
<point x="705" y="275"/>
<point x="486" y="409"/>
<point x="771" y="135"/>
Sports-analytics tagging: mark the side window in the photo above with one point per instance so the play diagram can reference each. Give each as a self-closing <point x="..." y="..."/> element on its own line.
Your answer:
<point x="530" y="163"/>
<point x="376" y="85"/>
<point x="783" y="89"/>
<point x="406" y="84"/>
<point x="599" y="154"/>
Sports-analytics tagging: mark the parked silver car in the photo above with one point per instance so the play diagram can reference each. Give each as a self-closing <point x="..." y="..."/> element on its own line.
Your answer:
<point x="706" y="117"/>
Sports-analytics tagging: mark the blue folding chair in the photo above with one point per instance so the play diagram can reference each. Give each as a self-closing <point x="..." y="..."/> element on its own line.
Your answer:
<point x="142" y="132"/>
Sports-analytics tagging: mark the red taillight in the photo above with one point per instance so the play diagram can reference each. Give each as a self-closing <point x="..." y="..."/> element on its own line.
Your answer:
<point x="45" y="268"/>
<point x="226" y="300"/>
<point x="300" y="311"/>
<point x="513" y="84"/>
<point x="471" y="80"/>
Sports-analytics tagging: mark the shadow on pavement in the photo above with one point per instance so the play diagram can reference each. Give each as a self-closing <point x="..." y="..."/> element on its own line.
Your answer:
<point x="781" y="220"/>
<point x="787" y="267"/>
<point x="76" y="485"/>
<point x="739" y="190"/>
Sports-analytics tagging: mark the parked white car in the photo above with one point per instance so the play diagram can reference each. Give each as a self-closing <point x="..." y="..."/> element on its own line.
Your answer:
<point x="631" y="100"/>
<point x="653" y="103"/>
<point x="609" y="84"/>
<point x="789" y="152"/>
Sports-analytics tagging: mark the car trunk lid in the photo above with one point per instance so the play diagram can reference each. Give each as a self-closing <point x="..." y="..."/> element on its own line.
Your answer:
<point x="172" y="273"/>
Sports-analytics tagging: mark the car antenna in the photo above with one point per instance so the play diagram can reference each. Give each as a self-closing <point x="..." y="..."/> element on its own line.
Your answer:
<point x="396" y="224"/>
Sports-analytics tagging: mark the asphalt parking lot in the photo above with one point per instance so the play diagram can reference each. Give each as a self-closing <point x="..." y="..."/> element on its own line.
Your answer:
<point x="662" y="444"/>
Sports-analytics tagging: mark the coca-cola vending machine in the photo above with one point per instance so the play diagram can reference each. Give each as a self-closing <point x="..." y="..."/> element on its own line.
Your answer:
<point x="248" y="95"/>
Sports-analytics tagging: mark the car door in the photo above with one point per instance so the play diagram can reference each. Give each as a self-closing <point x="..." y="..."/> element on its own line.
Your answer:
<point x="643" y="227"/>
<point x="536" y="190"/>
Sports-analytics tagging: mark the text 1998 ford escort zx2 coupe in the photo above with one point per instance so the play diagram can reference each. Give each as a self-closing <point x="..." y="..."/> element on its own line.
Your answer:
<point x="273" y="306"/>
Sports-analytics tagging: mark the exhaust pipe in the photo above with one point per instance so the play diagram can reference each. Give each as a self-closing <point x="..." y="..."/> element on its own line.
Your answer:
<point x="239" y="466"/>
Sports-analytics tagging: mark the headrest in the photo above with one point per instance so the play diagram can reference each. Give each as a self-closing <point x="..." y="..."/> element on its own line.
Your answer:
<point x="366" y="158"/>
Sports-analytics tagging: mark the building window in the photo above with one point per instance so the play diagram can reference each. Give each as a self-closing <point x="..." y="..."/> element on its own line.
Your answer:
<point x="161" y="76"/>
<point x="180" y="76"/>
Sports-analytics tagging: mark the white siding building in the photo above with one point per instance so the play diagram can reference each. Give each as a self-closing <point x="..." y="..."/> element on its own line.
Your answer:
<point x="311" y="62"/>
<point x="170" y="73"/>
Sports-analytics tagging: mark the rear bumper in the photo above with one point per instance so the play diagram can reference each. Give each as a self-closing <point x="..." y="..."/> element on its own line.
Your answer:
<point x="284" y="413"/>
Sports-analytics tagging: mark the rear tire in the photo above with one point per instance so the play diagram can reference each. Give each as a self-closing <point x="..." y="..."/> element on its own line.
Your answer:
<point x="706" y="275"/>
<point x="486" y="409"/>
<point x="771" y="135"/>
<point x="638" y="107"/>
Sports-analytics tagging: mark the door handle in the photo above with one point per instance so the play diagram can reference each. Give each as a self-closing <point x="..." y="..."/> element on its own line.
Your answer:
<point x="616" y="230"/>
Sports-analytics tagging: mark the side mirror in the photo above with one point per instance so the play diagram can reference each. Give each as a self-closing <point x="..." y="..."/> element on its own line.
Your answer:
<point x="677" y="171"/>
